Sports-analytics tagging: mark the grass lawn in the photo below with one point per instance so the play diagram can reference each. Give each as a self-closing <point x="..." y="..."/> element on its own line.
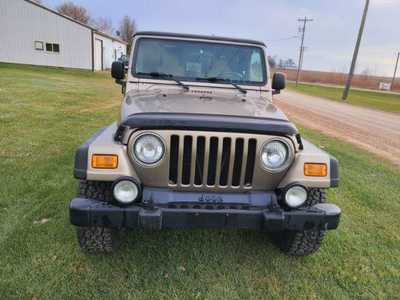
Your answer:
<point x="45" y="113"/>
<point x="382" y="101"/>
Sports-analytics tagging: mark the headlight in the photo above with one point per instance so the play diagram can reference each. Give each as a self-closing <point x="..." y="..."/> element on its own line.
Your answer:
<point x="148" y="149"/>
<point x="275" y="155"/>
<point x="126" y="191"/>
<point x="295" y="196"/>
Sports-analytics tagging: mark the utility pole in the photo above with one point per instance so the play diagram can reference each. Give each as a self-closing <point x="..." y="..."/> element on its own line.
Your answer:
<point x="355" y="54"/>
<point x="301" y="54"/>
<point x="395" y="71"/>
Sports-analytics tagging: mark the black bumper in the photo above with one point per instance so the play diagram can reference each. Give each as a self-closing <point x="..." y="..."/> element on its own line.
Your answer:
<point x="87" y="212"/>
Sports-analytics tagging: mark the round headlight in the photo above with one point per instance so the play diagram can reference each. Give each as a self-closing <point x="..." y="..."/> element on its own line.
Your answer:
<point x="274" y="155"/>
<point x="148" y="149"/>
<point x="296" y="196"/>
<point x="125" y="191"/>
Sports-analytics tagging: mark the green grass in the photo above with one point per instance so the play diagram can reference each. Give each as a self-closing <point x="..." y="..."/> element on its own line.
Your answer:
<point x="376" y="100"/>
<point x="45" y="113"/>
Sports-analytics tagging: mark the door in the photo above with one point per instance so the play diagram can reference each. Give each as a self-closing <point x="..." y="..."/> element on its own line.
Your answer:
<point x="98" y="55"/>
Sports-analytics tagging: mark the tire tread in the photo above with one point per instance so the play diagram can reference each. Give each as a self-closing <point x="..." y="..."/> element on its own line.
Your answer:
<point x="97" y="190"/>
<point x="96" y="239"/>
<point x="303" y="243"/>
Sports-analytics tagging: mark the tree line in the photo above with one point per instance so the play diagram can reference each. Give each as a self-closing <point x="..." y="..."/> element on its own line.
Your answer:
<point x="282" y="63"/>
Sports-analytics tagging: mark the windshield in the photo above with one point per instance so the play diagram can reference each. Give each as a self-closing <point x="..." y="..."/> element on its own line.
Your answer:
<point x="199" y="61"/>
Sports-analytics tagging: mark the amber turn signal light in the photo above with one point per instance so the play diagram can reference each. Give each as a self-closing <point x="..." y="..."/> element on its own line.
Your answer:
<point x="104" y="161"/>
<point x="315" y="169"/>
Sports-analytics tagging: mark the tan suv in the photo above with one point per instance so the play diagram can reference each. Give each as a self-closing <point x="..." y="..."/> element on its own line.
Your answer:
<point x="200" y="144"/>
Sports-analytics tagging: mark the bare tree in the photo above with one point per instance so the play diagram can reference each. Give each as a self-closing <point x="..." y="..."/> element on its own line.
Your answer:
<point x="272" y="62"/>
<point x="286" y="63"/>
<point x="366" y="72"/>
<point x="127" y="29"/>
<point x="364" y="75"/>
<point x="104" y="25"/>
<point x="74" y="11"/>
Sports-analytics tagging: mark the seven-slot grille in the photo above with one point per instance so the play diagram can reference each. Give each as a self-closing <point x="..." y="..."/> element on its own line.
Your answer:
<point x="210" y="161"/>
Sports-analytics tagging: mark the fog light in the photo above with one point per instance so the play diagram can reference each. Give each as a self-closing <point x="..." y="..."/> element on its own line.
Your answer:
<point x="296" y="196"/>
<point x="126" y="191"/>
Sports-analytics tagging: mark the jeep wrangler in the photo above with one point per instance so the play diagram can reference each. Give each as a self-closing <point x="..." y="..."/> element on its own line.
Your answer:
<point x="200" y="144"/>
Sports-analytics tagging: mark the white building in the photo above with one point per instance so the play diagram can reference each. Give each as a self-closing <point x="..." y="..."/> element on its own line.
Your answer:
<point x="34" y="34"/>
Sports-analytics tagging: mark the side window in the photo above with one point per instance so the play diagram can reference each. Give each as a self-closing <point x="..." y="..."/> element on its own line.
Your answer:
<point x="39" y="45"/>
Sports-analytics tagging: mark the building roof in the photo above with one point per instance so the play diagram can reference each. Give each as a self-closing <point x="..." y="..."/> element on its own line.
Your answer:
<point x="203" y="37"/>
<point x="77" y="22"/>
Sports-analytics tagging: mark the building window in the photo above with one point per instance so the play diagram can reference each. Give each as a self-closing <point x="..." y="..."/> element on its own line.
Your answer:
<point x="39" y="45"/>
<point x="56" y="48"/>
<point x="50" y="47"/>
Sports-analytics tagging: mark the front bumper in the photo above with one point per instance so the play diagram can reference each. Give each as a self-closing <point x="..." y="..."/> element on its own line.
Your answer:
<point x="88" y="212"/>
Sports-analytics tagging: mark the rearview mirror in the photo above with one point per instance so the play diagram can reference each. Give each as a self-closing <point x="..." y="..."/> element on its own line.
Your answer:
<point x="118" y="71"/>
<point x="278" y="82"/>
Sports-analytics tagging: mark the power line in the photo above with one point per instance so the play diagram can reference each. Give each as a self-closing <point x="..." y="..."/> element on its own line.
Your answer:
<point x="284" y="39"/>
<point x="395" y="71"/>
<point x="355" y="54"/>
<point x="301" y="54"/>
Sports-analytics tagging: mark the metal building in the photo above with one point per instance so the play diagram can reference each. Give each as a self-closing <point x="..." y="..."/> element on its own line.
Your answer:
<point x="31" y="33"/>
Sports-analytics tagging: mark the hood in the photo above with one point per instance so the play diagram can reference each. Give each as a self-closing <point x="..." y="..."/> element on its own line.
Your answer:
<point x="147" y="102"/>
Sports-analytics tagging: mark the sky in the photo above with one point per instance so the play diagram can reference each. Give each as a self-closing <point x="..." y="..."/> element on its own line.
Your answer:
<point x="330" y="38"/>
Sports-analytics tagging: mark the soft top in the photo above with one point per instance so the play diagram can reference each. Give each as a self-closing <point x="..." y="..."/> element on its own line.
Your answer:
<point x="203" y="37"/>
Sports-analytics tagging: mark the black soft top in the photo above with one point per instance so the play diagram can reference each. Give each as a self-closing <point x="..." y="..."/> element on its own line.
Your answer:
<point x="203" y="37"/>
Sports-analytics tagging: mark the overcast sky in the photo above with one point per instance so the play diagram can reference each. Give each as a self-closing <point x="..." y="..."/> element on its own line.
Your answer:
<point x="330" y="39"/>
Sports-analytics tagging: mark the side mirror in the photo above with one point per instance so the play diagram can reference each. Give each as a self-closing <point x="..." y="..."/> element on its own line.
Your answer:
<point x="118" y="71"/>
<point x="278" y="83"/>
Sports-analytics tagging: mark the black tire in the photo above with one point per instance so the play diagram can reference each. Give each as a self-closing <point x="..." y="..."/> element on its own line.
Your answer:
<point x="97" y="239"/>
<point x="97" y="190"/>
<point x="302" y="243"/>
<point x="316" y="196"/>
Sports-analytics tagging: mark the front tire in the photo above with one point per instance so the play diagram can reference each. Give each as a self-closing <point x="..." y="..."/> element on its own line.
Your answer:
<point x="302" y="243"/>
<point x="96" y="190"/>
<point x="97" y="239"/>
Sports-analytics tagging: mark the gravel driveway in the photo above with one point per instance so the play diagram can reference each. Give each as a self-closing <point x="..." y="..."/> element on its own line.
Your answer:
<point x="373" y="130"/>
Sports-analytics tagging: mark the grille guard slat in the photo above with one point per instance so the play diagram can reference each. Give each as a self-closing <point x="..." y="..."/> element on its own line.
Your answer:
<point x="178" y="169"/>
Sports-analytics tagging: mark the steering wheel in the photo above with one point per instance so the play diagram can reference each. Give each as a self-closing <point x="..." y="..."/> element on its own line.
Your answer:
<point x="231" y="75"/>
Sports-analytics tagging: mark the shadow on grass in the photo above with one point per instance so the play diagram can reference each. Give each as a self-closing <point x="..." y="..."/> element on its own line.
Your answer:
<point x="158" y="252"/>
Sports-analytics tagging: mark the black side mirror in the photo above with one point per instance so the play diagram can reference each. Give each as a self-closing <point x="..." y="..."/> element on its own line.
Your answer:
<point x="118" y="71"/>
<point x="278" y="82"/>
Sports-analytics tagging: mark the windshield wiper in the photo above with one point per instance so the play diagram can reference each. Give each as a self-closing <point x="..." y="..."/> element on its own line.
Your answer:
<point x="224" y="80"/>
<point x="165" y="76"/>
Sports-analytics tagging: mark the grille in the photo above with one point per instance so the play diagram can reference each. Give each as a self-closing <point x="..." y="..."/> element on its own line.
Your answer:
<point x="211" y="161"/>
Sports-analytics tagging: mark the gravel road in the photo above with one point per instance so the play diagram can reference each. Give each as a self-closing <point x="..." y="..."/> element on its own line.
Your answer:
<point x="373" y="130"/>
